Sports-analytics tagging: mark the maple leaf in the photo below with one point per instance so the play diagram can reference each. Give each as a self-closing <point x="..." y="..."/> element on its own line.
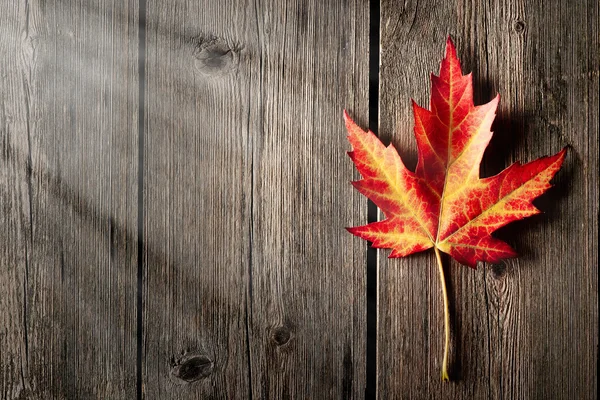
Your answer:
<point x="444" y="204"/>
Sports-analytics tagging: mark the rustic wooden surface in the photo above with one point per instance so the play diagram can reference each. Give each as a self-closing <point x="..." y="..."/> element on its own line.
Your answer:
<point x="527" y="328"/>
<point x="253" y="289"/>
<point x="68" y="174"/>
<point x="212" y="132"/>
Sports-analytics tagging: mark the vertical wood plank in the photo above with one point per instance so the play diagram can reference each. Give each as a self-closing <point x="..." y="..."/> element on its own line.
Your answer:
<point x="68" y="169"/>
<point x="197" y="182"/>
<point x="253" y="288"/>
<point x="526" y="328"/>
<point x="308" y="274"/>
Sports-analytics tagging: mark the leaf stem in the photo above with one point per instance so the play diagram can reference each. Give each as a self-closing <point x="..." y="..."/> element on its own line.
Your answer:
<point x="445" y="376"/>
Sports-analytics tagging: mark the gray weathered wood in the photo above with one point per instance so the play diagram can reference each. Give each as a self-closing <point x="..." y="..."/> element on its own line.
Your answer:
<point x="252" y="286"/>
<point x="527" y="328"/>
<point x="308" y="272"/>
<point x="68" y="173"/>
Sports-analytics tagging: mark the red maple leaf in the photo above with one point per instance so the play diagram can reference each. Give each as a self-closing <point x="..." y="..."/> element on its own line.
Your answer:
<point x="444" y="204"/>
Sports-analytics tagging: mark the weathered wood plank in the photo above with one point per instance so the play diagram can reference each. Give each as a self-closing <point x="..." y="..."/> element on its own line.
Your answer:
<point x="197" y="181"/>
<point x="308" y="273"/>
<point x="527" y="328"/>
<point x="68" y="174"/>
<point x="252" y="286"/>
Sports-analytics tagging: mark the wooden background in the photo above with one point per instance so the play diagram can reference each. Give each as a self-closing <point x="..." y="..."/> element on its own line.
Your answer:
<point x="174" y="188"/>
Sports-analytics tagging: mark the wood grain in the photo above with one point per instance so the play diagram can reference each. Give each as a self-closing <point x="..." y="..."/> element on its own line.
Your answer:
<point x="252" y="287"/>
<point x="527" y="328"/>
<point x="309" y="274"/>
<point x="68" y="173"/>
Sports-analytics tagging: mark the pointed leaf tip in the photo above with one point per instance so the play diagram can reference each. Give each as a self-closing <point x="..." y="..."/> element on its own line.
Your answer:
<point x="352" y="230"/>
<point x="346" y="115"/>
<point x="562" y="154"/>
<point x="350" y="124"/>
<point x="450" y="47"/>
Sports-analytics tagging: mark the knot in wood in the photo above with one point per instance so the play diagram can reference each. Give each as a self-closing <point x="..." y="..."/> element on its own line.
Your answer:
<point x="192" y="367"/>
<point x="281" y="335"/>
<point x="214" y="57"/>
<point x="499" y="271"/>
<point x="519" y="26"/>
